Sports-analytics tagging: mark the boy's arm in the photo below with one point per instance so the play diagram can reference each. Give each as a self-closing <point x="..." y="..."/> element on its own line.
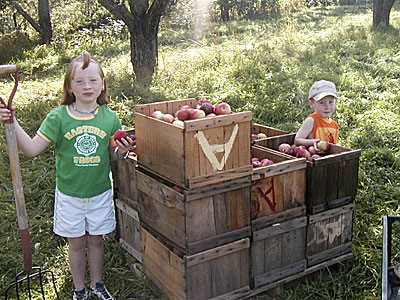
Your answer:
<point x="305" y="132"/>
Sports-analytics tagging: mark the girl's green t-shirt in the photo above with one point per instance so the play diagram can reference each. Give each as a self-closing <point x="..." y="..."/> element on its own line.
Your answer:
<point x="81" y="149"/>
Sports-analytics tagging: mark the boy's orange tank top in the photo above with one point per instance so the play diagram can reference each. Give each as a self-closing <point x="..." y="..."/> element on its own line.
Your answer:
<point x="325" y="129"/>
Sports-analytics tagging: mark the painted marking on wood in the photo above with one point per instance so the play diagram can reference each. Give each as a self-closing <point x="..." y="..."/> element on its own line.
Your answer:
<point x="270" y="203"/>
<point x="211" y="150"/>
<point x="321" y="232"/>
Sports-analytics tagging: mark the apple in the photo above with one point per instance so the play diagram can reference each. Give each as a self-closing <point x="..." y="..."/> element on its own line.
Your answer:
<point x="312" y="150"/>
<point x="262" y="135"/>
<point x="297" y="149"/>
<point x="178" y="123"/>
<point x="168" y="118"/>
<point x="157" y="114"/>
<point x="302" y="152"/>
<point x="255" y="159"/>
<point x="222" y="109"/>
<point x="132" y="137"/>
<point x="207" y="107"/>
<point x="254" y="137"/>
<point x="200" y="102"/>
<point x="183" y="114"/>
<point x="283" y="146"/>
<point x="266" y="162"/>
<point x="211" y="115"/>
<point x="178" y="189"/>
<point x="132" y="154"/>
<point x="323" y="145"/>
<point x="288" y="151"/>
<point x="312" y="157"/>
<point x="120" y="134"/>
<point x="197" y="114"/>
<point x="256" y="164"/>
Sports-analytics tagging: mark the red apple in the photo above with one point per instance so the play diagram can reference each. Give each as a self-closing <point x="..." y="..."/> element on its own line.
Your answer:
<point x="210" y="115"/>
<point x="120" y="134"/>
<point x="312" y="157"/>
<point x="288" y="151"/>
<point x="256" y="164"/>
<point x="255" y="159"/>
<point x="200" y="102"/>
<point x="207" y="107"/>
<point x="197" y="114"/>
<point x="282" y="147"/>
<point x="157" y="114"/>
<point x="298" y="148"/>
<point x="168" y="118"/>
<point x="254" y="137"/>
<point x="303" y="153"/>
<point x="266" y="162"/>
<point x="183" y="114"/>
<point x="312" y="150"/>
<point x="323" y="145"/>
<point x="222" y="109"/>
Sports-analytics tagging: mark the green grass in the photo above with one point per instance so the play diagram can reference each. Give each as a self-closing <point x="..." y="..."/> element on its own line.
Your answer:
<point x="264" y="65"/>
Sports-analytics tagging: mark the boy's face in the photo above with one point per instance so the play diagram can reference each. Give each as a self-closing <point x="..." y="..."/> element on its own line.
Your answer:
<point x="324" y="107"/>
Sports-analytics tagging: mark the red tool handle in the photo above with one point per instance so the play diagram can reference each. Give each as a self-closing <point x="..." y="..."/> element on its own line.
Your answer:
<point x="16" y="175"/>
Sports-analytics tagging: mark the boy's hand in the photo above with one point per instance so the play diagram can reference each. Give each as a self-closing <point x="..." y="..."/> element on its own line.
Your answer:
<point x="5" y="113"/>
<point x="317" y="150"/>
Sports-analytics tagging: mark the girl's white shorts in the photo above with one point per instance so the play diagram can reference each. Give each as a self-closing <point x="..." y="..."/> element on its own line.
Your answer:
<point x="73" y="216"/>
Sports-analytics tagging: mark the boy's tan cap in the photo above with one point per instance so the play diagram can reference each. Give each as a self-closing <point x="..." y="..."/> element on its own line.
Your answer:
<point x="321" y="89"/>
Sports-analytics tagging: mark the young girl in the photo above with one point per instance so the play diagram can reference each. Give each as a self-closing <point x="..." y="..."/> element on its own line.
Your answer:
<point x="82" y="130"/>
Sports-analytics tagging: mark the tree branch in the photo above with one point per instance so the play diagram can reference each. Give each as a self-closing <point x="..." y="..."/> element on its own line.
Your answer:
<point x="119" y="11"/>
<point x="26" y="16"/>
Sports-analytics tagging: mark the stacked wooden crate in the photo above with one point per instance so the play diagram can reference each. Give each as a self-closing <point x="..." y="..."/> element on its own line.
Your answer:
<point x="194" y="202"/>
<point x="331" y="187"/>
<point x="126" y="205"/>
<point x="278" y="218"/>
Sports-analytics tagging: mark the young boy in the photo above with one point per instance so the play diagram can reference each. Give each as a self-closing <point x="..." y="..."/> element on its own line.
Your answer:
<point x="319" y="126"/>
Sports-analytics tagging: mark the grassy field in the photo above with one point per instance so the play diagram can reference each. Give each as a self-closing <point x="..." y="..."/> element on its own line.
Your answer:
<point x="264" y="65"/>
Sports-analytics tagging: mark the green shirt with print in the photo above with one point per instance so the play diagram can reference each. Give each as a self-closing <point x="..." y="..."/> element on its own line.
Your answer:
<point x="81" y="149"/>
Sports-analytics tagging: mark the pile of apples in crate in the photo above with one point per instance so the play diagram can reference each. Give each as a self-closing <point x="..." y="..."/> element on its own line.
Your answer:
<point x="256" y="162"/>
<point x="122" y="134"/>
<point x="309" y="153"/>
<point x="202" y="109"/>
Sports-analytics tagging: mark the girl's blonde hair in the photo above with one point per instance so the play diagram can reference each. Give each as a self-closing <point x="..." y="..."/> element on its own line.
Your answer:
<point x="85" y="60"/>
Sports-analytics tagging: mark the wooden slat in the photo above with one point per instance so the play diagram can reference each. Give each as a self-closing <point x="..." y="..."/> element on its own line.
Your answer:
<point x="237" y="294"/>
<point x="328" y="254"/>
<point x="222" y="120"/>
<point x="131" y="250"/>
<point x="269" y="131"/>
<point x="244" y="144"/>
<point x="293" y="246"/>
<point x="283" y="272"/>
<point x="282" y="216"/>
<point x="330" y="213"/>
<point x="217" y="252"/>
<point x="279" y="228"/>
<point x="126" y="208"/>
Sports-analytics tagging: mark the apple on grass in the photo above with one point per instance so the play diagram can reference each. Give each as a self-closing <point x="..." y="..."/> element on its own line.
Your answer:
<point x="157" y="114"/>
<point x="120" y="134"/>
<point x="222" y="109"/>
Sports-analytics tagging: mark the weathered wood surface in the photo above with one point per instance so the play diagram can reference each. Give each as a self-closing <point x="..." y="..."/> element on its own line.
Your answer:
<point x="189" y="156"/>
<point x="128" y="228"/>
<point x="219" y="273"/>
<point x="197" y="215"/>
<point x="277" y="187"/>
<point x="331" y="180"/>
<point x="329" y="233"/>
<point x="269" y="131"/>
<point x="278" y="250"/>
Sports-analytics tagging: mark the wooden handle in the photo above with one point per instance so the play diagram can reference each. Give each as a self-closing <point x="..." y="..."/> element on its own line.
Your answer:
<point x="18" y="194"/>
<point x="8" y="69"/>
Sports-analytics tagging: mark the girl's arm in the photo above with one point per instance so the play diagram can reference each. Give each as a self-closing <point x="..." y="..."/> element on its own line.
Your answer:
<point x="29" y="146"/>
<point x="304" y="135"/>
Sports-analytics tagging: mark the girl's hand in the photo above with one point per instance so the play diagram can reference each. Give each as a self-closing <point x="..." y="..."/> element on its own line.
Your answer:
<point x="5" y="113"/>
<point x="125" y="145"/>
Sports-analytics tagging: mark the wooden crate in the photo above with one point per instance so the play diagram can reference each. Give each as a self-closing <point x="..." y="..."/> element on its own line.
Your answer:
<point x="329" y="234"/>
<point x="269" y="131"/>
<point x="331" y="180"/>
<point x="128" y="228"/>
<point x="126" y="180"/>
<point x="195" y="220"/>
<point x="278" y="250"/>
<point x="277" y="187"/>
<point x="221" y="273"/>
<point x="205" y="151"/>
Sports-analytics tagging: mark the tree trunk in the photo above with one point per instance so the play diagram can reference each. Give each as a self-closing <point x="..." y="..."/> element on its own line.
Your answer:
<point x="45" y="21"/>
<point x="143" y="20"/>
<point x="44" y="27"/>
<point x="224" y="7"/>
<point x="381" y="12"/>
